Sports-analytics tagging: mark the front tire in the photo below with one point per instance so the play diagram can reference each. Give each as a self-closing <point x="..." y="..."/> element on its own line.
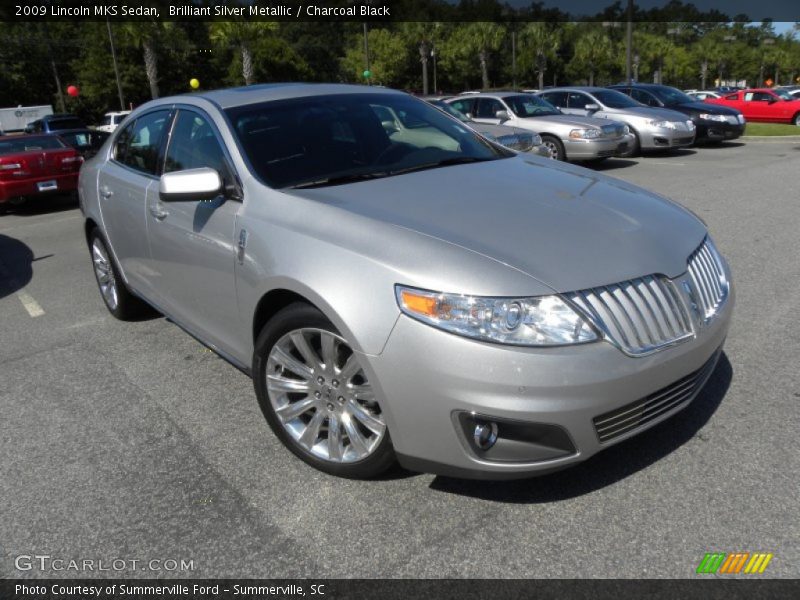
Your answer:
<point x="796" y="120"/>
<point x="119" y="301"/>
<point x="316" y="396"/>
<point x="554" y="145"/>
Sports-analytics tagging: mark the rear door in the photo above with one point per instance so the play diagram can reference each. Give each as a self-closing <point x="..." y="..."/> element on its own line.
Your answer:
<point x="123" y="185"/>
<point x="194" y="243"/>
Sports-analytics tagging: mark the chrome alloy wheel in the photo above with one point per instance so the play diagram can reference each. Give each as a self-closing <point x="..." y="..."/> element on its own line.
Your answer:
<point x="322" y="397"/>
<point x="553" y="148"/>
<point x="105" y="274"/>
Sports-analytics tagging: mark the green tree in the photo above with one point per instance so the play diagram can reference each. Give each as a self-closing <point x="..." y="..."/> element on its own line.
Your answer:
<point x="148" y="36"/>
<point x="388" y="55"/>
<point x="475" y="42"/>
<point x="243" y="35"/>
<point x="539" y="45"/>
<point x="423" y="36"/>
<point x="592" y="54"/>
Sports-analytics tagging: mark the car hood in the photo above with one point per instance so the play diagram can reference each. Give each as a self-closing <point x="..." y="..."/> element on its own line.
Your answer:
<point x="569" y="120"/>
<point x="707" y="107"/>
<point x="498" y="130"/>
<point x="568" y="227"/>
<point x="655" y="114"/>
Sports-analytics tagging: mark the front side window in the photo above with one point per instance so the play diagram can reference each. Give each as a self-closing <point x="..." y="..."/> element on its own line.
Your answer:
<point x="643" y="97"/>
<point x="488" y="108"/>
<point x="139" y="144"/>
<point x="558" y="99"/>
<point x="465" y="105"/>
<point x="615" y="99"/>
<point x="578" y="100"/>
<point x="327" y="140"/>
<point x="194" y="145"/>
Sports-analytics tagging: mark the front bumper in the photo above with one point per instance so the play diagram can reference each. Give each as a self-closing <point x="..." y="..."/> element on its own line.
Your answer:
<point x="718" y="131"/>
<point x="429" y="379"/>
<point x="662" y="139"/>
<point x="579" y="149"/>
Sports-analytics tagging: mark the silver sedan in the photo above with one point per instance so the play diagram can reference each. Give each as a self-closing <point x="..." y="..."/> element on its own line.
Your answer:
<point x="653" y="128"/>
<point x="442" y="302"/>
<point x="567" y="137"/>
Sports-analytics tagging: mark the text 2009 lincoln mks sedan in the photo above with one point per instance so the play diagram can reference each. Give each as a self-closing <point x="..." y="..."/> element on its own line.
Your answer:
<point x="440" y="301"/>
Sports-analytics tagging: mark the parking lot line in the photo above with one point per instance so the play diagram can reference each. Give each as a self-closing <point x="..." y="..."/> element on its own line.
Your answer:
<point x="31" y="305"/>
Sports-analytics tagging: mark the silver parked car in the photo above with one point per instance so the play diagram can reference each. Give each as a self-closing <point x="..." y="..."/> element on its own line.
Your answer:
<point x="472" y="311"/>
<point x="567" y="137"/>
<point x="515" y="138"/>
<point x="652" y="128"/>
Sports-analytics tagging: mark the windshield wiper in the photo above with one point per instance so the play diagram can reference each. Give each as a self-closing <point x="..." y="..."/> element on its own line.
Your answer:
<point x="456" y="160"/>
<point x="338" y="179"/>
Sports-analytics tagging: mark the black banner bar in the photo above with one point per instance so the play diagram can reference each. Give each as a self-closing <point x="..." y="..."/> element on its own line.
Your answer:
<point x="711" y="588"/>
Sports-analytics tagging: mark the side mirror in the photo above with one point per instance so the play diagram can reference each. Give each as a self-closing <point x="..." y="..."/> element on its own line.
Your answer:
<point x="191" y="184"/>
<point x="772" y="100"/>
<point x="502" y="115"/>
<point x="469" y="116"/>
<point x="592" y="107"/>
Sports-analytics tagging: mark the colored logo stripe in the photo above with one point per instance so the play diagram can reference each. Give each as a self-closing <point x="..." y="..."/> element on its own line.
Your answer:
<point x="722" y="562"/>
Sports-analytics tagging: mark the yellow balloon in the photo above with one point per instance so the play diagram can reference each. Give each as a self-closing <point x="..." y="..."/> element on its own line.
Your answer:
<point x="194" y="83"/>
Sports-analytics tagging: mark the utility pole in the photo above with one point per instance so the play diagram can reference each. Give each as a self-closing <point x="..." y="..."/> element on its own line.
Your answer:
<point x="629" y="43"/>
<point x="366" y="53"/>
<point x="514" y="58"/>
<point x="116" y="68"/>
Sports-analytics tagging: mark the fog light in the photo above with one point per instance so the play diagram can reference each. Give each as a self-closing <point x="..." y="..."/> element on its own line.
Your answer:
<point x="485" y="435"/>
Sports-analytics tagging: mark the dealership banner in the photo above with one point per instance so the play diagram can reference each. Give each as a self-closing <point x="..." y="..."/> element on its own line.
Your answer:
<point x="402" y="10"/>
<point x="395" y="589"/>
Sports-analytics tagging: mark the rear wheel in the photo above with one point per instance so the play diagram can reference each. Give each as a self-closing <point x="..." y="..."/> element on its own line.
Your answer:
<point x="796" y="119"/>
<point x="316" y="396"/>
<point x="554" y="145"/>
<point x="118" y="299"/>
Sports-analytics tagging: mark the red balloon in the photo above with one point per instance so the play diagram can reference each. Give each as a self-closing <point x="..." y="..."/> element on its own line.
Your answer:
<point x="73" y="91"/>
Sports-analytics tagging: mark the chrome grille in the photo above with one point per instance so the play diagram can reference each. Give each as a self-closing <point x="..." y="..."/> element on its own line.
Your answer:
<point x="641" y="314"/>
<point x="705" y="269"/>
<point x="612" y="130"/>
<point x="648" y="313"/>
<point x="637" y="414"/>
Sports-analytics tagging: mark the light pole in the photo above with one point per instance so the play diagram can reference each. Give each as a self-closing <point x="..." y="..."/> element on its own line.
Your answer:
<point x="629" y="44"/>
<point x="116" y="68"/>
<point x="435" y="84"/>
<point x="636" y="60"/>
<point x="366" y="55"/>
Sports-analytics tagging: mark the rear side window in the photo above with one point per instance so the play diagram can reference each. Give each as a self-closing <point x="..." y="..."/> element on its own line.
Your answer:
<point x="138" y="145"/>
<point x="558" y="99"/>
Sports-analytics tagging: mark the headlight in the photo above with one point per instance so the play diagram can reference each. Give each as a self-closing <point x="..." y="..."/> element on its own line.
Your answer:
<point x="662" y="124"/>
<point x="740" y="118"/>
<point x="540" y="321"/>
<point x="585" y="134"/>
<point x="710" y="117"/>
<point x="690" y="125"/>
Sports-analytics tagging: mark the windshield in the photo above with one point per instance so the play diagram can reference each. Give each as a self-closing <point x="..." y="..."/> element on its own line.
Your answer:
<point x="671" y="96"/>
<point x="527" y="105"/>
<point x="615" y="99"/>
<point x="107" y="120"/>
<point x="327" y="140"/>
<point x="784" y="94"/>
<point x="14" y="145"/>
<point x="453" y="112"/>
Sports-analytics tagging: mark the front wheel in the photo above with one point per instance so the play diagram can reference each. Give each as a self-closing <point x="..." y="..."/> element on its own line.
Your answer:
<point x="316" y="396"/>
<point x="554" y="145"/>
<point x="796" y="120"/>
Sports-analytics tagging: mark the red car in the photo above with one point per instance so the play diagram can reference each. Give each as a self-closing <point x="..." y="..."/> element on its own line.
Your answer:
<point x="763" y="104"/>
<point x="34" y="165"/>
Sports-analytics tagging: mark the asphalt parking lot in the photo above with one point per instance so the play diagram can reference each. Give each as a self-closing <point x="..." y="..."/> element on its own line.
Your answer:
<point x="132" y="441"/>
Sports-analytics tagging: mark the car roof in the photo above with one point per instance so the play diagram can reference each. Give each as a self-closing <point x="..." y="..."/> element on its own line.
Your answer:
<point x="575" y="88"/>
<point x="252" y="94"/>
<point x="59" y="116"/>
<point x="499" y="94"/>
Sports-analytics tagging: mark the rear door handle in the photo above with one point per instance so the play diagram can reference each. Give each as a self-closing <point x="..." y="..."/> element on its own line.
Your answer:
<point x="158" y="212"/>
<point x="106" y="192"/>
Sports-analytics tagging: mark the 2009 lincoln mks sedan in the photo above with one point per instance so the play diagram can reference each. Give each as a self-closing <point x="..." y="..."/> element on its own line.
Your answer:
<point x="439" y="301"/>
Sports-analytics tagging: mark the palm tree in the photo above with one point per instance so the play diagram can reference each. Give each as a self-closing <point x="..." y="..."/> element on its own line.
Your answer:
<point x="592" y="52"/>
<point x="540" y="43"/>
<point x="147" y="35"/>
<point x="244" y="34"/>
<point x="423" y="34"/>
<point x="481" y="39"/>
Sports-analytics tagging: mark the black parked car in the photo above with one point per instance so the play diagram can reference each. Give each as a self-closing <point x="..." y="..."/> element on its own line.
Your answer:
<point x="86" y="141"/>
<point x="57" y="122"/>
<point x="714" y="123"/>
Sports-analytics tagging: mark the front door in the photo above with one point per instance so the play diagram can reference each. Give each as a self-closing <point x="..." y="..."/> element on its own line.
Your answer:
<point x="193" y="243"/>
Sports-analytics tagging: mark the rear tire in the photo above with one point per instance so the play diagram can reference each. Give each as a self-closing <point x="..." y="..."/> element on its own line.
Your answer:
<point x="119" y="301"/>
<point x="317" y="398"/>
<point x="554" y="145"/>
<point x="796" y="119"/>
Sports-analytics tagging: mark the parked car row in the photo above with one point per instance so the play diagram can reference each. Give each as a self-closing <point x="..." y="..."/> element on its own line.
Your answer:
<point x="767" y="105"/>
<point x="399" y="287"/>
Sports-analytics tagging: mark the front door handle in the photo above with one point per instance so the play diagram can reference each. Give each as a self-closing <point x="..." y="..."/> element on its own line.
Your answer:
<point x="106" y="192"/>
<point x="158" y="212"/>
